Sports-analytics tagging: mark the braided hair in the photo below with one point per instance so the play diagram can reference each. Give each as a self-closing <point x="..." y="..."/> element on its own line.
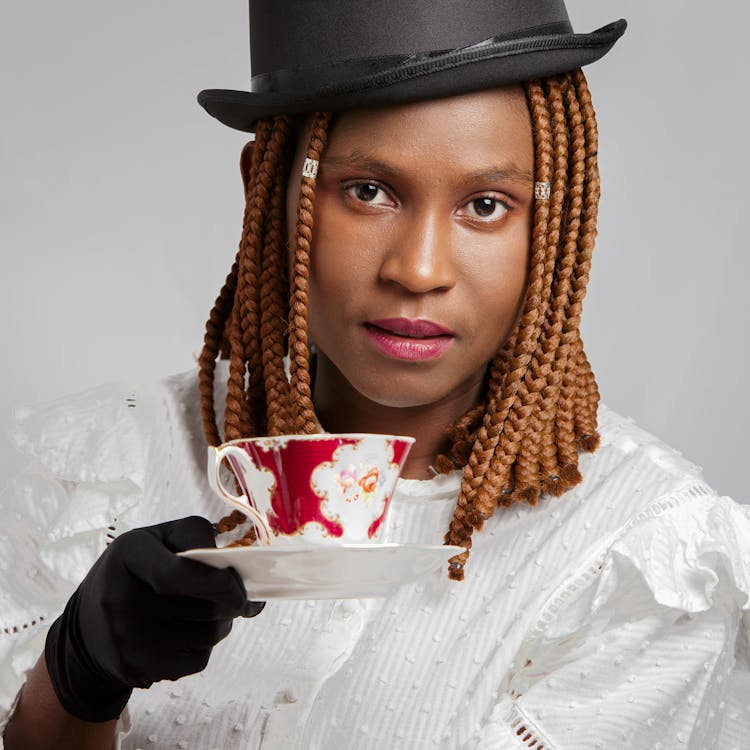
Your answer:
<point x="540" y="402"/>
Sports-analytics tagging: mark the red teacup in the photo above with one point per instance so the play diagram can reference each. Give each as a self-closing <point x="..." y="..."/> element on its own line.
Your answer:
<point x="312" y="488"/>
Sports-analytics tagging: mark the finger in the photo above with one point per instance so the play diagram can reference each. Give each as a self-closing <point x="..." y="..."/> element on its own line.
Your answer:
<point x="183" y="664"/>
<point x="196" y="580"/>
<point x="177" y="636"/>
<point x="144" y="557"/>
<point x="186" y="533"/>
<point x="149" y="654"/>
<point x="199" y="609"/>
<point x="214" y="608"/>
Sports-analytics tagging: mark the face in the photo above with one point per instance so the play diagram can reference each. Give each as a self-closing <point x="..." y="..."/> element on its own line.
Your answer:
<point x="420" y="244"/>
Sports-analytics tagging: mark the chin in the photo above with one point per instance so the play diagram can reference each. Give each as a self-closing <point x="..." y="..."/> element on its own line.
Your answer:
<point x="392" y="396"/>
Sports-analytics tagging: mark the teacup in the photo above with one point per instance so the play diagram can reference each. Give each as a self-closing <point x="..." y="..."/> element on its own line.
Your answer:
<point x="312" y="489"/>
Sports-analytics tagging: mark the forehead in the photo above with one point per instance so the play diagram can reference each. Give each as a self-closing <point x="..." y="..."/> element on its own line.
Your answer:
<point x="471" y="128"/>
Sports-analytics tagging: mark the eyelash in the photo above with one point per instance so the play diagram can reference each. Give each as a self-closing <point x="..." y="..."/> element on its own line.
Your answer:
<point x="351" y="187"/>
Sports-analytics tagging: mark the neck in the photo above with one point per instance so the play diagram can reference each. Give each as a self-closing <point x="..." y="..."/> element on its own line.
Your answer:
<point x="340" y="408"/>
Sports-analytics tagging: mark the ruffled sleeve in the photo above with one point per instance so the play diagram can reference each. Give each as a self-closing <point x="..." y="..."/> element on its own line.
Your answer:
<point x="86" y="470"/>
<point x="646" y="645"/>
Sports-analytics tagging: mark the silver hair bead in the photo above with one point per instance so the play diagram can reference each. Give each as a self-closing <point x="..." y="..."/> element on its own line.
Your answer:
<point x="310" y="168"/>
<point x="542" y="191"/>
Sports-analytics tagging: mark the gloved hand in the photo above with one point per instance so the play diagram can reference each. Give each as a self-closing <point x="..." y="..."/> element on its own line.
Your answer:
<point x="142" y="614"/>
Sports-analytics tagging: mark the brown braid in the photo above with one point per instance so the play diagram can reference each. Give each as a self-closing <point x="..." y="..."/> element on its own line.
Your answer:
<point x="560" y="451"/>
<point x="587" y="401"/>
<point x="273" y="283"/>
<point x="541" y="398"/>
<point x="568" y="129"/>
<point x="541" y="370"/>
<point x="304" y="420"/>
<point x="237" y="418"/>
<point x="213" y="343"/>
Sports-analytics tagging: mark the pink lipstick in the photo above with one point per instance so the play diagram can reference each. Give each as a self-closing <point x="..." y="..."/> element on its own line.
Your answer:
<point x="407" y="339"/>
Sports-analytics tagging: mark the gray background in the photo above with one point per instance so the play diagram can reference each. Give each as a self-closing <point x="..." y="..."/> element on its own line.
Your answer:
<point x="120" y="206"/>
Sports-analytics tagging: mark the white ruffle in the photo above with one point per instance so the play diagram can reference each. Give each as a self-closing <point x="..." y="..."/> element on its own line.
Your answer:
<point x="94" y="436"/>
<point x="660" y="609"/>
<point x="695" y="555"/>
<point x="691" y="549"/>
<point x="87" y="459"/>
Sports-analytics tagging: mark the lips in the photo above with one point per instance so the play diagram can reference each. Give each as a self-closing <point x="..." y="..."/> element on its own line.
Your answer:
<point x="416" y="329"/>
<point x="409" y="340"/>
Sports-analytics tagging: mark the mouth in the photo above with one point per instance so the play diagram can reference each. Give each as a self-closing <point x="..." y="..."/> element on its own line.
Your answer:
<point x="407" y="339"/>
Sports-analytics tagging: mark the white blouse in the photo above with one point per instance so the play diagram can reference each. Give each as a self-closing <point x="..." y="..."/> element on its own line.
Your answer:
<point x="614" y="617"/>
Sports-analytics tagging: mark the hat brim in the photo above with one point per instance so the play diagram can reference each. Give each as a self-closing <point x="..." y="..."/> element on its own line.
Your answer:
<point x="447" y="74"/>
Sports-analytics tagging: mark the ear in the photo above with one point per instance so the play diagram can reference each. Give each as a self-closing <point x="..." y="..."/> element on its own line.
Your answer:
<point x="245" y="159"/>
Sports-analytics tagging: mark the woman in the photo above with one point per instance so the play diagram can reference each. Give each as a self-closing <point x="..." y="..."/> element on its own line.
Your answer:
<point x="418" y="236"/>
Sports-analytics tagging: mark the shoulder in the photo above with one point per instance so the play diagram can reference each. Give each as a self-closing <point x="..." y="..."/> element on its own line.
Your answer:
<point x="645" y="513"/>
<point x="105" y="434"/>
<point x="624" y="437"/>
<point x="633" y="472"/>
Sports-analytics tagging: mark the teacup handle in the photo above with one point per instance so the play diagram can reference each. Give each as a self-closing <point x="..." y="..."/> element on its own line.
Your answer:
<point x="241" y="465"/>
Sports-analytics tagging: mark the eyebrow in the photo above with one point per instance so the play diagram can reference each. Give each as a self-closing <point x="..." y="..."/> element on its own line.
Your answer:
<point x="508" y="173"/>
<point x="358" y="160"/>
<point x="361" y="161"/>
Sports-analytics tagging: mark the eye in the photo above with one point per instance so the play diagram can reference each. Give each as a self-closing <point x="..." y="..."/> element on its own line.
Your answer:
<point x="368" y="192"/>
<point x="486" y="208"/>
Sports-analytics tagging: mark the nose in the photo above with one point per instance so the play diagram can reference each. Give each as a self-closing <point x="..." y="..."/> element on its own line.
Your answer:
<point x="420" y="257"/>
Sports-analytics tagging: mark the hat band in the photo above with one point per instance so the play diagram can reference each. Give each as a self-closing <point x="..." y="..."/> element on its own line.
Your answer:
<point x="339" y="77"/>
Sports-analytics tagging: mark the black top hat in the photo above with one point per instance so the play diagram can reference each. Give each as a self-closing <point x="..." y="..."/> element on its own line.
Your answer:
<point x="309" y="55"/>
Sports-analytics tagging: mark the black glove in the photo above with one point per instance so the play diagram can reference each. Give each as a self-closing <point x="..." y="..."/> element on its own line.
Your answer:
<point x="142" y="614"/>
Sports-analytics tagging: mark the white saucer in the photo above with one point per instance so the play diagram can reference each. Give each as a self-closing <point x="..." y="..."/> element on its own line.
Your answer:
<point x="348" y="571"/>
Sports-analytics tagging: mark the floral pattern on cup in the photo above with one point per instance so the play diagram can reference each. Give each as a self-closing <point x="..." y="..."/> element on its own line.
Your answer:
<point x="352" y="483"/>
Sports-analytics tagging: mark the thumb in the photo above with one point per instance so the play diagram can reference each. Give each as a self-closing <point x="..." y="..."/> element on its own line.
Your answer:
<point x="185" y="533"/>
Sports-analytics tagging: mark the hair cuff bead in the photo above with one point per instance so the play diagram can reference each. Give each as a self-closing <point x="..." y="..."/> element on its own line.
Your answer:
<point x="310" y="168"/>
<point x="542" y="191"/>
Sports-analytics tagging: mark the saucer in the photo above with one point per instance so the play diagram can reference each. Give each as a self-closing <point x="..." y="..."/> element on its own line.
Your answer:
<point x="347" y="571"/>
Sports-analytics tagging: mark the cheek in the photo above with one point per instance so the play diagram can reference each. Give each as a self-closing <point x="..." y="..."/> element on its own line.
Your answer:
<point x="518" y="277"/>
<point x="343" y="251"/>
<point x="499" y="284"/>
<point x="501" y="306"/>
<point x="336" y="270"/>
